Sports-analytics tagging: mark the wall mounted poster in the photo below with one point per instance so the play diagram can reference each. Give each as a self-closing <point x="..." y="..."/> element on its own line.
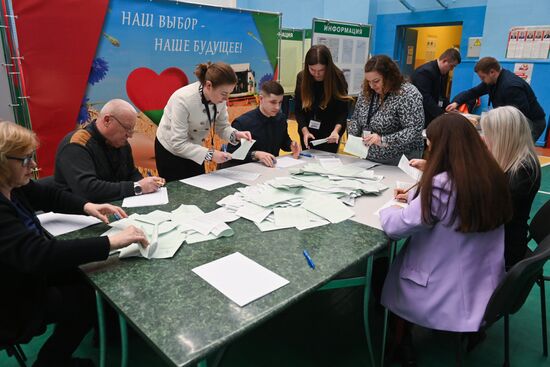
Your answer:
<point x="529" y="42"/>
<point x="349" y="44"/>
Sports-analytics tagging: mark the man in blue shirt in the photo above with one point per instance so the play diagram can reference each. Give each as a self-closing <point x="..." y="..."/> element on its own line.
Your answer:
<point x="268" y="127"/>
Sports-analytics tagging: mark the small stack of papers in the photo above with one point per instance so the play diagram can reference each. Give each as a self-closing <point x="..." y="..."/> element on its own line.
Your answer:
<point x="166" y="231"/>
<point x="315" y="194"/>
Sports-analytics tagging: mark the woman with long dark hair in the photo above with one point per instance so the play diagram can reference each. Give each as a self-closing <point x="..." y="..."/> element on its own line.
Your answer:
<point x="321" y="101"/>
<point x="443" y="278"/>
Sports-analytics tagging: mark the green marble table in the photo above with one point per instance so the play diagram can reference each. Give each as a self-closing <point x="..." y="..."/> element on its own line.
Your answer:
<point x="184" y="318"/>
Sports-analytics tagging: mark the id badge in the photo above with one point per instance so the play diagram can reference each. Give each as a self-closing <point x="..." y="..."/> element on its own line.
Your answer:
<point x="314" y="124"/>
<point x="440" y="103"/>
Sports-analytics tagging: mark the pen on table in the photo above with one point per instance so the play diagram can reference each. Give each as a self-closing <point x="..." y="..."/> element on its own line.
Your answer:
<point x="117" y="217"/>
<point x="309" y="259"/>
<point x="309" y="155"/>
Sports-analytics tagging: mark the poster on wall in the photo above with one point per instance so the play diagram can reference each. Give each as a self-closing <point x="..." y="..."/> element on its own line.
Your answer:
<point x="149" y="49"/>
<point x="349" y="44"/>
<point x="529" y="42"/>
<point x="431" y="46"/>
<point x="292" y="55"/>
<point x="474" y="46"/>
<point x="524" y="71"/>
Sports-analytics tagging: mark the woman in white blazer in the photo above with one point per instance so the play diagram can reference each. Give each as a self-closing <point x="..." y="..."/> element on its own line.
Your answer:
<point x="193" y="114"/>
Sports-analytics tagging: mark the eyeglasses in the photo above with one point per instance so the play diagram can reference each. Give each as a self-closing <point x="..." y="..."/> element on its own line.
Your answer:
<point x="128" y="130"/>
<point x="25" y="161"/>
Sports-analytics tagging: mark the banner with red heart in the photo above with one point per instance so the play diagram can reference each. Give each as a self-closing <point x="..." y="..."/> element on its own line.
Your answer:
<point x="150" y="91"/>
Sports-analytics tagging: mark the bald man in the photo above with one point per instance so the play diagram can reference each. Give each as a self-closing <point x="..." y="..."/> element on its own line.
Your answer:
<point x="96" y="162"/>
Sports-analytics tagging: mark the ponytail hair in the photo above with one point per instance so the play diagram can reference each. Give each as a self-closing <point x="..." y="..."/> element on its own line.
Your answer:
<point x="217" y="73"/>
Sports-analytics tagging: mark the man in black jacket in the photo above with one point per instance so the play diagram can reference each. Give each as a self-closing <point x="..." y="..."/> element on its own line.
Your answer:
<point x="505" y="89"/>
<point x="431" y="80"/>
<point x="96" y="162"/>
<point x="268" y="127"/>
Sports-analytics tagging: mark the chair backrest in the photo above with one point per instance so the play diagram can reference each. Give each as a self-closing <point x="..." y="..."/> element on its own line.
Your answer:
<point x="539" y="228"/>
<point x="513" y="290"/>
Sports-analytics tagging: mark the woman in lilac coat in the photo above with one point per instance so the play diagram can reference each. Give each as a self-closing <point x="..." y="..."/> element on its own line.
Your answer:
<point x="444" y="277"/>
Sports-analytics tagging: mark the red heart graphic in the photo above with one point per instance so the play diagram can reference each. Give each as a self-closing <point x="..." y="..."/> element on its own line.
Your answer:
<point x="150" y="91"/>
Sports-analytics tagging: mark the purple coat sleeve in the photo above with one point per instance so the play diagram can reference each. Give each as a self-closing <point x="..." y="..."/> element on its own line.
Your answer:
<point x="403" y="222"/>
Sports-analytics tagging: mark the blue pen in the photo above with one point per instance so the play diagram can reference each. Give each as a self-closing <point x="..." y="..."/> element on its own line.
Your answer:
<point x="309" y="260"/>
<point x="117" y="217"/>
<point x="306" y="155"/>
<point x="224" y="148"/>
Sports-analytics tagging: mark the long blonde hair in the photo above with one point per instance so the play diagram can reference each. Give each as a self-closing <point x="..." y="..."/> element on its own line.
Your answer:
<point x="508" y="135"/>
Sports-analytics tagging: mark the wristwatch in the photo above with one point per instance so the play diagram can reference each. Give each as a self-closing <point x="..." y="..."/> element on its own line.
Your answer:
<point x="137" y="189"/>
<point x="209" y="155"/>
<point x="253" y="155"/>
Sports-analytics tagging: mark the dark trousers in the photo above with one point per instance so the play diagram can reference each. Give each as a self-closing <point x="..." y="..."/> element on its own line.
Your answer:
<point x="172" y="168"/>
<point x="70" y="303"/>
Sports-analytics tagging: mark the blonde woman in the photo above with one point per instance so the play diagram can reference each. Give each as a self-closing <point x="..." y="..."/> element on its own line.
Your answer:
<point x="508" y="137"/>
<point x="39" y="278"/>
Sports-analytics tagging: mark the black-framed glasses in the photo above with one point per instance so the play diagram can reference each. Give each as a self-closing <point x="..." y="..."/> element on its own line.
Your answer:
<point x="25" y="161"/>
<point x="128" y="131"/>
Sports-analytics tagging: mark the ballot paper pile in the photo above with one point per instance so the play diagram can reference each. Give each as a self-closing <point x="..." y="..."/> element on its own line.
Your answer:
<point x="314" y="195"/>
<point x="166" y="231"/>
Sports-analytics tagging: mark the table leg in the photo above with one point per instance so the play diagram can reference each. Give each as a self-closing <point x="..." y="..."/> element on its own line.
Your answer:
<point x="123" y="341"/>
<point x="391" y="254"/>
<point x="366" y="300"/>
<point x="101" y="327"/>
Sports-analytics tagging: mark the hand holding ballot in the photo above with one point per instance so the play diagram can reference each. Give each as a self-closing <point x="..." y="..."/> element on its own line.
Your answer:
<point x="130" y="234"/>
<point x="418" y="163"/>
<point x="333" y="138"/>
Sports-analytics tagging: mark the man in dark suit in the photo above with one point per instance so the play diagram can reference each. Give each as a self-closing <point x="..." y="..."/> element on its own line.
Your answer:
<point x="505" y="89"/>
<point x="431" y="80"/>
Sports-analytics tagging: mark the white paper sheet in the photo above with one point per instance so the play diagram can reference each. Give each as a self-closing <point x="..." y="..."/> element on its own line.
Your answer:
<point x="243" y="149"/>
<point x="414" y="173"/>
<point x="365" y="164"/>
<point x="318" y="141"/>
<point x="293" y="217"/>
<point x="155" y="198"/>
<point x="209" y="181"/>
<point x="239" y="278"/>
<point x="390" y="203"/>
<point x="330" y="163"/>
<point x="253" y="212"/>
<point x="58" y="224"/>
<point x="287" y="161"/>
<point x="355" y="146"/>
<point x="237" y="175"/>
<point x="328" y="207"/>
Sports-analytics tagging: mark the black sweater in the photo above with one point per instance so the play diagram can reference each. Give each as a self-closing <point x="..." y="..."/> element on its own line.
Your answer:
<point x="523" y="187"/>
<point x="27" y="258"/>
<point x="90" y="168"/>
<point x="270" y="133"/>
<point x="335" y="113"/>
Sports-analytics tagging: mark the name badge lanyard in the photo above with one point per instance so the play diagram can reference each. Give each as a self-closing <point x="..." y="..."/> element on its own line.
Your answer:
<point x="211" y="119"/>
<point x="372" y="111"/>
